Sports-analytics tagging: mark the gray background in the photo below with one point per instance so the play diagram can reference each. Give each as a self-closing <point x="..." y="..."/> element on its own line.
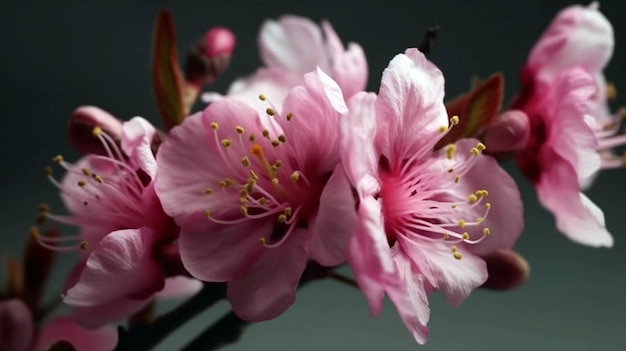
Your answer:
<point x="58" y="55"/>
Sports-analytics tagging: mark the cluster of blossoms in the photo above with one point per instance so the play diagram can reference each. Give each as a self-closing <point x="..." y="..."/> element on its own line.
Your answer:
<point x="298" y="165"/>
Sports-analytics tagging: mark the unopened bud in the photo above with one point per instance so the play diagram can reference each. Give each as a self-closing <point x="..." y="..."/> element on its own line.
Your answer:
<point x="82" y="124"/>
<point x="209" y="57"/>
<point x="507" y="134"/>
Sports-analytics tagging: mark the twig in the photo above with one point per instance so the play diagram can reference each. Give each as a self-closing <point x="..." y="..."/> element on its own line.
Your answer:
<point x="429" y="40"/>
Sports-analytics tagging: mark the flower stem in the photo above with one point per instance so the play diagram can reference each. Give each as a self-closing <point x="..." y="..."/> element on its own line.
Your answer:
<point x="145" y="337"/>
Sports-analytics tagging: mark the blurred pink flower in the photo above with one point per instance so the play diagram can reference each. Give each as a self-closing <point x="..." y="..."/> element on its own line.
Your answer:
<point x="423" y="219"/>
<point x="257" y="195"/>
<point x="291" y="47"/>
<point x="18" y="331"/>
<point x="122" y="224"/>
<point x="563" y="94"/>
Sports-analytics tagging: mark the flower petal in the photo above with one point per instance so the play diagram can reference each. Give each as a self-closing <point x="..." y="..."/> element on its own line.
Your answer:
<point x="179" y="286"/>
<point x="410" y="103"/>
<point x="575" y="215"/>
<point x="217" y="252"/>
<point x="64" y="328"/>
<point x="16" y="326"/>
<point x="120" y="266"/>
<point x="335" y="221"/>
<point x="292" y="43"/>
<point x="137" y="135"/>
<point x="269" y="288"/>
<point x="108" y="312"/>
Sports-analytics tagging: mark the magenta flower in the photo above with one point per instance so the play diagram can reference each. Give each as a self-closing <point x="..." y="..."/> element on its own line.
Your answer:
<point x="291" y="47"/>
<point x="122" y="224"/>
<point x="564" y="97"/>
<point x="424" y="221"/>
<point x="19" y="332"/>
<point x="256" y="195"/>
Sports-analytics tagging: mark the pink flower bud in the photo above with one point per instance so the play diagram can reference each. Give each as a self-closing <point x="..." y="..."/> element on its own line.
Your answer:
<point x="507" y="134"/>
<point x="209" y="57"/>
<point x="17" y="326"/>
<point x="218" y="41"/>
<point x="82" y="123"/>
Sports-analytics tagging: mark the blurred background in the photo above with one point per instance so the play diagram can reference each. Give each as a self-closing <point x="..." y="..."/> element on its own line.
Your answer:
<point x="59" y="55"/>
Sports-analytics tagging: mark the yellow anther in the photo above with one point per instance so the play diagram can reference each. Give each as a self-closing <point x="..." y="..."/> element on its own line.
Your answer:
<point x="47" y="171"/>
<point x="473" y="198"/>
<point x="474" y="151"/>
<point x="454" y="120"/>
<point x="84" y="245"/>
<point x="251" y="137"/>
<point x="275" y="143"/>
<point x="465" y="236"/>
<point x="442" y="129"/>
<point x="481" y="146"/>
<point x="262" y="240"/>
<point x="266" y="133"/>
<point x="43" y="208"/>
<point x="486" y="231"/>
<point x="239" y="129"/>
<point x="262" y="97"/>
<point x="461" y="223"/>
<point x="57" y="159"/>
<point x="98" y="179"/>
<point x="208" y="191"/>
<point x="244" y="210"/>
<point x="275" y="181"/>
<point x="453" y="248"/>
<point x="457" y="255"/>
<point x="82" y="183"/>
<point x="242" y="194"/>
<point x="262" y="201"/>
<point x="289" y="116"/>
<point x="287" y="211"/>
<point x="269" y="111"/>
<point x="278" y="163"/>
<point x="611" y="91"/>
<point x="281" y="218"/>
<point x="450" y="151"/>
<point x="245" y="161"/>
<point x="225" y="183"/>
<point x="250" y="186"/>
<point x="282" y="138"/>
<point x="207" y="213"/>
<point x="274" y="168"/>
<point x="96" y="131"/>
<point x="215" y="126"/>
<point x="453" y="206"/>
<point x="295" y="176"/>
<point x="457" y="178"/>
<point x="446" y="236"/>
<point x="227" y="142"/>
<point x="488" y="205"/>
<point x="451" y="170"/>
<point x="479" y="220"/>
<point x="86" y="172"/>
<point x="254" y="176"/>
<point x="482" y="193"/>
<point x="34" y="232"/>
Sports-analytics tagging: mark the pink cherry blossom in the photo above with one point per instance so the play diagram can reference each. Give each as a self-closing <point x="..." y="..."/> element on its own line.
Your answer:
<point x="563" y="95"/>
<point x="18" y="331"/>
<point x="292" y="46"/>
<point x="425" y="218"/>
<point x="257" y="195"/>
<point x="121" y="226"/>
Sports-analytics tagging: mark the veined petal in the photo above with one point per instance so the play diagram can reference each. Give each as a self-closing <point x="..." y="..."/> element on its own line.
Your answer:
<point x="269" y="288"/>
<point x="179" y="286"/>
<point x="410" y="103"/>
<point x="113" y="311"/>
<point x="217" y="252"/>
<point x="335" y="222"/>
<point x="137" y="135"/>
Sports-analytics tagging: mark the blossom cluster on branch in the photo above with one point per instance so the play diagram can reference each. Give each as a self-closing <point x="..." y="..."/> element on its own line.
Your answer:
<point x="297" y="170"/>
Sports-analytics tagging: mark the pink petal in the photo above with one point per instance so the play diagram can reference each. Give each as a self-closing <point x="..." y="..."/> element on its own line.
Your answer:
<point x="357" y="130"/>
<point x="16" y="326"/>
<point x="506" y="216"/>
<point x="370" y="256"/>
<point x="316" y="108"/>
<point x="179" y="286"/>
<point x="269" y="288"/>
<point x="137" y="135"/>
<point x="216" y="252"/>
<point x="120" y="266"/>
<point x="577" y="35"/>
<point x="292" y="43"/>
<point x="80" y="129"/>
<point x="456" y="278"/>
<point x="349" y="67"/>
<point x="335" y="221"/>
<point x="410" y="103"/>
<point x="575" y="215"/>
<point x="569" y="135"/>
<point x="108" y="312"/>
<point x="411" y="300"/>
<point x="64" y="328"/>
